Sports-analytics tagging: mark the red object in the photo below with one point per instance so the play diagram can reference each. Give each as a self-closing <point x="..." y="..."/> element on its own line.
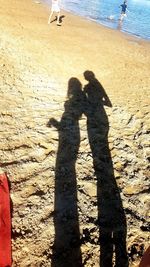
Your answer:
<point x="145" y="262"/>
<point x="5" y="223"/>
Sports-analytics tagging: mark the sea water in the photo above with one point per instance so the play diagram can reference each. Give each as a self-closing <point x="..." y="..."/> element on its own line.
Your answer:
<point x="107" y="12"/>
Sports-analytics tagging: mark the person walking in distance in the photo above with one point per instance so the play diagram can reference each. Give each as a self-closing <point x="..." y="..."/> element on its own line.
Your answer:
<point x="123" y="10"/>
<point x="55" y="8"/>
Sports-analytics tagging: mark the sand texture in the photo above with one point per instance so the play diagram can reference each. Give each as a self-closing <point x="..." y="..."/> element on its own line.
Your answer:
<point x="74" y="139"/>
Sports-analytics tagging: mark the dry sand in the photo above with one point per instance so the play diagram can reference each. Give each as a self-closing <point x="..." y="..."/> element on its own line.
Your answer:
<point x="36" y="62"/>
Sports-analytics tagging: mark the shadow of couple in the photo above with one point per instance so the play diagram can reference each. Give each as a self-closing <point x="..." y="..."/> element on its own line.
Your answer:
<point x="111" y="221"/>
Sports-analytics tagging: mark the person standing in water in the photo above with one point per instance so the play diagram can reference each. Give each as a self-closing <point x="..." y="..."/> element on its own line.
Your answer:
<point x="55" y="8"/>
<point x="123" y="10"/>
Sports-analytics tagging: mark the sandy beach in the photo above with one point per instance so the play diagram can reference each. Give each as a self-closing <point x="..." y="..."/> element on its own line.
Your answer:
<point x="119" y="61"/>
<point x="36" y="62"/>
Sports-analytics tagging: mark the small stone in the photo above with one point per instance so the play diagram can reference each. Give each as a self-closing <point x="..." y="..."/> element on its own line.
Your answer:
<point x="130" y="190"/>
<point x="119" y="166"/>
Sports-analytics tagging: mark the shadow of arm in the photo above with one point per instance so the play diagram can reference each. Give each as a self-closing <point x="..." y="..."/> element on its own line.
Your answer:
<point x="106" y="100"/>
<point x="53" y="122"/>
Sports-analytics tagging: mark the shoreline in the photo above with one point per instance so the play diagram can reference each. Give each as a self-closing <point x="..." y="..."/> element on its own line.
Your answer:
<point x="103" y="24"/>
<point x="115" y="49"/>
<point x="113" y="28"/>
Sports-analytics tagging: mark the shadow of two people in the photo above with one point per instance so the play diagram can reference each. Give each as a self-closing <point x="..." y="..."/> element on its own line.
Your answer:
<point x="111" y="219"/>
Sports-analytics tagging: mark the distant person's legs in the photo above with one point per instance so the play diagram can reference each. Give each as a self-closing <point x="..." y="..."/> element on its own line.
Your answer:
<point x="49" y="20"/>
<point x="122" y="16"/>
<point x="58" y="17"/>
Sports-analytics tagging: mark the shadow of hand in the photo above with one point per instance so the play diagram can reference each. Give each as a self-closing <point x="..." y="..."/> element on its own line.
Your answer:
<point x="53" y="122"/>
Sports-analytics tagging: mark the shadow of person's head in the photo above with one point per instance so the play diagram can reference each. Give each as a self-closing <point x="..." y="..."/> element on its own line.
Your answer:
<point x="89" y="75"/>
<point x="74" y="88"/>
<point x="94" y="91"/>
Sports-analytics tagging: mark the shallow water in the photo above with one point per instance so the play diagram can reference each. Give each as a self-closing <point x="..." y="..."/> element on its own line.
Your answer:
<point x="107" y="12"/>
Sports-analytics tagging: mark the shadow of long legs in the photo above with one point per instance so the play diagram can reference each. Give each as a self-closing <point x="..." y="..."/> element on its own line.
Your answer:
<point x="66" y="249"/>
<point x="111" y="217"/>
